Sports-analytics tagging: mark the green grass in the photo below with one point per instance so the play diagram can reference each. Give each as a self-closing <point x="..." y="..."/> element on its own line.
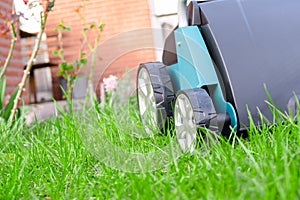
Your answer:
<point x="105" y="155"/>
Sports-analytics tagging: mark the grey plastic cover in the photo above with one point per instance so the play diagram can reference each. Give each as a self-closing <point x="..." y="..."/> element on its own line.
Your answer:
<point x="259" y="41"/>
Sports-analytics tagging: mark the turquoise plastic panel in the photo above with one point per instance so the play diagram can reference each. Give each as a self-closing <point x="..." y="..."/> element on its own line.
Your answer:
<point x="195" y="68"/>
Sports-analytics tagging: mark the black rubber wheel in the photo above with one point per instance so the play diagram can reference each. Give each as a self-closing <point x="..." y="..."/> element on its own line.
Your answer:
<point x="155" y="95"/>
<point x="193" y="109"/>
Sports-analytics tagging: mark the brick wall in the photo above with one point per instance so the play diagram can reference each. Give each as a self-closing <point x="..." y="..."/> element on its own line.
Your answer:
<point x="126" y="39"/>
<point x="122" y="45"/>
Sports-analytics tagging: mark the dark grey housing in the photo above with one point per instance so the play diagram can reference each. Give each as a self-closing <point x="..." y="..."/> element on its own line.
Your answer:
<point x="255" y="45"/>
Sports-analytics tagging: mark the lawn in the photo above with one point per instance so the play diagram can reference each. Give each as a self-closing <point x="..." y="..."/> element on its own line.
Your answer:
<point x="105" y="154"/>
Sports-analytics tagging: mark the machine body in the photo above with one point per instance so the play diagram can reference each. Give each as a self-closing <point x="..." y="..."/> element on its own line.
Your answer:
<point x="244" y="54"/>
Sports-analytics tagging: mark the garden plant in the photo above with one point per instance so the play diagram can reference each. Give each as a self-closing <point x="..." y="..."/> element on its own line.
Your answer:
<point x="103" y="152"/>
<point x="70" y="70"/>
<point x="7" y="30"/>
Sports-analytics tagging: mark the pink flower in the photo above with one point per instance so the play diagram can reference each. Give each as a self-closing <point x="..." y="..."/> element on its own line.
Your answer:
<point x="110" y="83"/>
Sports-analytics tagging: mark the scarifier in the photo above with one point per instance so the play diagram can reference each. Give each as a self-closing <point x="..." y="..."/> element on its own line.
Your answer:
<point x="224" y="62"/>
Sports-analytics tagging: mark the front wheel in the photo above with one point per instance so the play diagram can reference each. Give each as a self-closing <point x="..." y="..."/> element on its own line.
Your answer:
<point x="193" y="109"/>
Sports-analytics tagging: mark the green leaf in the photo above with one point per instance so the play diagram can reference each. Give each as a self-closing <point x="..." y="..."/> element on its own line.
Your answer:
<point x="2" y="90"/>
<point x="101" y="25"/>
<point x="63" y="66"/>
<point x="67" y="28"/>
<point x="69" y="67"/>
<point x="60" y="51"/>
<point x="73" y="79"/>
<point x="55" y="52"/>
<point x="82" y="53"/>
<point x="62" y="26"/>
<point x="7" y="110"/>
<point x="60" y="73"/>
<point x="83" y="61"/>
<point x="77" y="63"/>
<point x="92" y="25"/>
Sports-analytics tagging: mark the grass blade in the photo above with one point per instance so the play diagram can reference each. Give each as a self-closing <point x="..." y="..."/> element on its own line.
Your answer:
<point x="2" y="90"/>
<point x="10" y="104"/>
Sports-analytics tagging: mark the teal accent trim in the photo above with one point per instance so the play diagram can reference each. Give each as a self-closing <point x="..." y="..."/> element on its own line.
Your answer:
<point x="234" y="121"/>
<point x="195" y="69"/>
<point x="194" y="63"/>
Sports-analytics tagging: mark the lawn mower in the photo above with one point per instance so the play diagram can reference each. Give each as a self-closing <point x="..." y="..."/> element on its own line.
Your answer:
<point x="228" y="64"/>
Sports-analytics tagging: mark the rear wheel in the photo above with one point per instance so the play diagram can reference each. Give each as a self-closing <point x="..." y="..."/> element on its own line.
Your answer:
<point x="155" y="95"/>
<point x="193" y="109"/>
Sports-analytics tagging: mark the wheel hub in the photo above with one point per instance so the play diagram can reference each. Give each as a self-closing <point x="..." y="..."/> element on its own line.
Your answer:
<point x="146" y="100"/>
<point x="185" y="124"/>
